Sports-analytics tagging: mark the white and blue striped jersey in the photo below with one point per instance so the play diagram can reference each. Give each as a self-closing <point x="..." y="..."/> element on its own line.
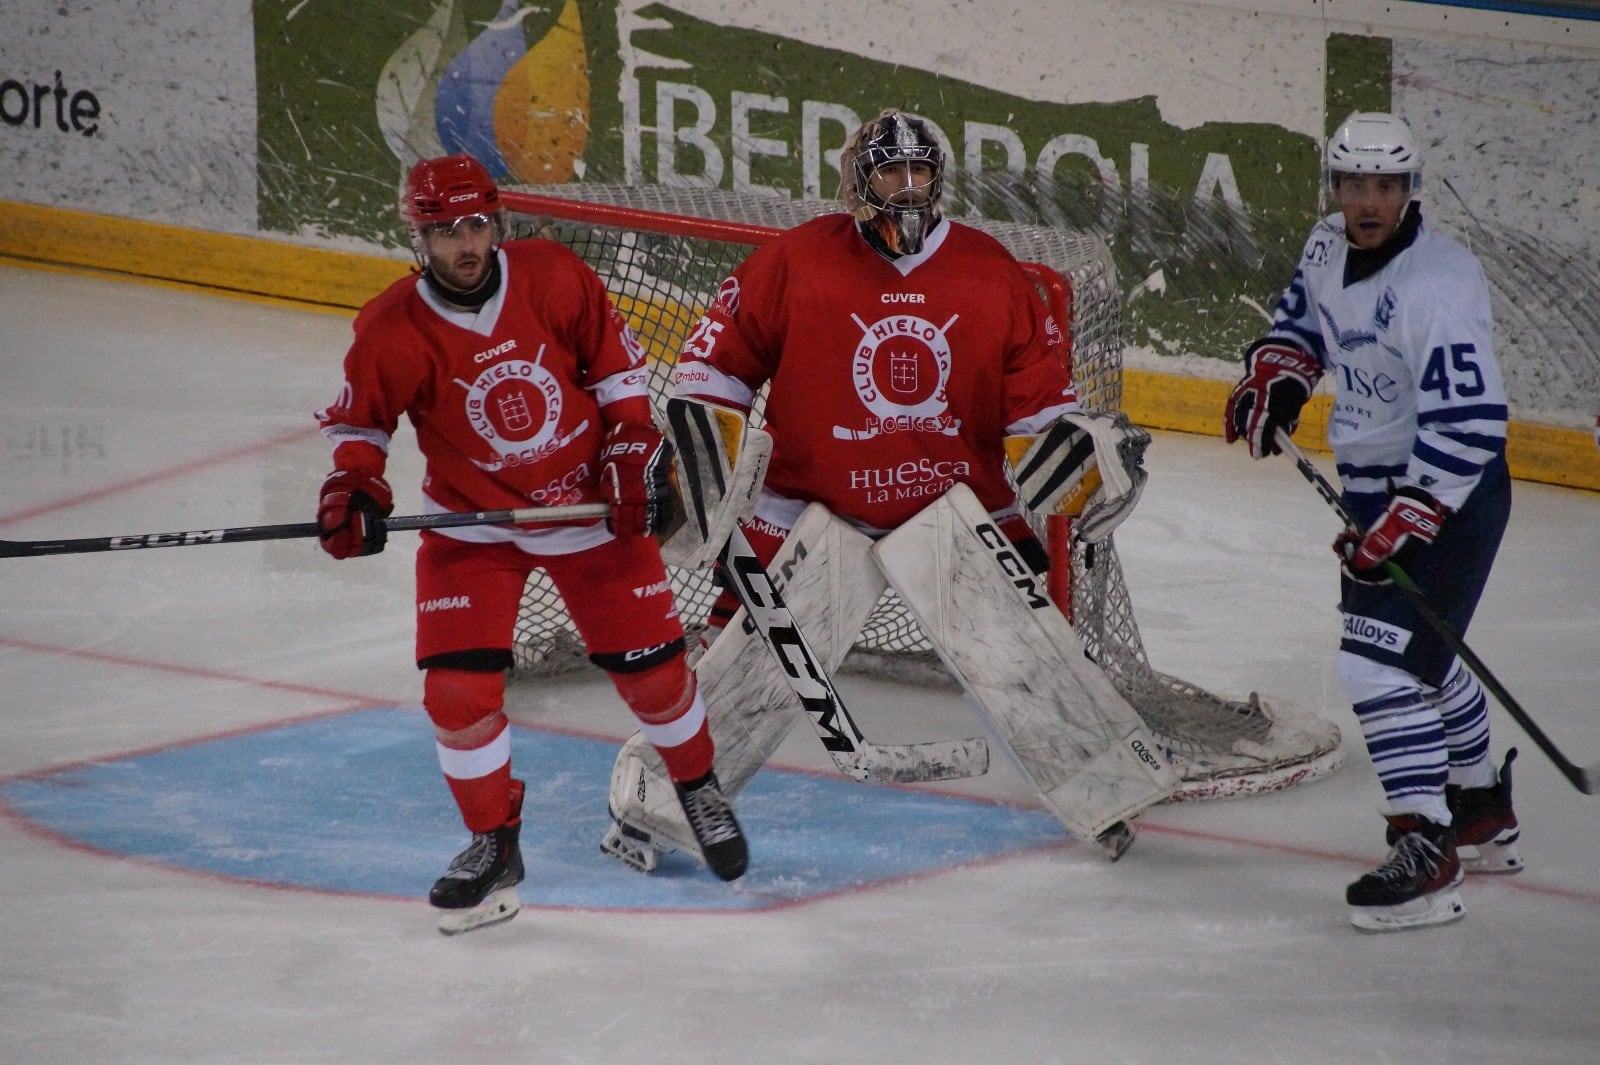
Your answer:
<point x="1418" y="397"/>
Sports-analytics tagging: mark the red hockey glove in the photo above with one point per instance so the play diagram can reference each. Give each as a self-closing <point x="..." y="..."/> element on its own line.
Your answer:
<point x="1411" y="522"/>
<point x="350" y="515"/>
<point x="1277" y="382"/>
<point x="634" y="463"/>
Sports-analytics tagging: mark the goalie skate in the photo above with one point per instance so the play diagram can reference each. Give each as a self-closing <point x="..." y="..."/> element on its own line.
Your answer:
<point x="647" y="818"/>
<point x="631" y="846"/>
<point x="651" y="815"/>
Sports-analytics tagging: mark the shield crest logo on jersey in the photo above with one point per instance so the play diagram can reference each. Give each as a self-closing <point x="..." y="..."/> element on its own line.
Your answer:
<point x="899" y="372"/>
<point x="515" y="406"/>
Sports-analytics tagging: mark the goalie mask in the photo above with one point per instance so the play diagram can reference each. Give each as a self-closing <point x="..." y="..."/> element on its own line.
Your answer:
<point x="1374" y="142"/>
<point x="449" y="203"/>
<point x="892" y="172"/>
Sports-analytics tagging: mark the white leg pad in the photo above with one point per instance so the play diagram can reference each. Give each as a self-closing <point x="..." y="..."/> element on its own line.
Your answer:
<point x="1067" y="728"/>
<point x="831" y="585"/>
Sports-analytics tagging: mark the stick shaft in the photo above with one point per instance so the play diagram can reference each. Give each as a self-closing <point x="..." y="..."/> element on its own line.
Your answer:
<point x="303" y="530"/>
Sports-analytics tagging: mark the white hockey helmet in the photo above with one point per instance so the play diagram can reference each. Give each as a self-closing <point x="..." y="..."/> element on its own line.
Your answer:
<point x="1374" y="142"/>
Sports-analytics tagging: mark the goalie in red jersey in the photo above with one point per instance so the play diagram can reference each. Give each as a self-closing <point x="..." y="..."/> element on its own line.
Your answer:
<point x="906" y="358"/>
<point x="525" y="387"/>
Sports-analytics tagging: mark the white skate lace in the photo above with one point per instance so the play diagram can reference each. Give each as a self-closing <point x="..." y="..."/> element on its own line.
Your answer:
<point x="473" y="862"/>
<point x="709" y="814"/>
<point x="1412" y="854"/>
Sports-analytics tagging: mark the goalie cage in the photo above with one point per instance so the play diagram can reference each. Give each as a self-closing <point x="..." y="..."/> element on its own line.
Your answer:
<point x="663" y="253"/>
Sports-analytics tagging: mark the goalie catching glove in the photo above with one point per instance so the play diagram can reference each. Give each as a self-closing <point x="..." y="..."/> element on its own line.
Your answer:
<point x="635" y="463"/>
<point x="1278" y="380"/>
<point x="351" y="512"/>
<point x="1411" y="522"/>
<point x="1085" y="466"/>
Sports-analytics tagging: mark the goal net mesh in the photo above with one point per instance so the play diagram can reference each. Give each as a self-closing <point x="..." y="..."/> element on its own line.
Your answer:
<point x="663" y="252"/>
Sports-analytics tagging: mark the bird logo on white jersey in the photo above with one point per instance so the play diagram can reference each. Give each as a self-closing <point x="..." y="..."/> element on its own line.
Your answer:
<point x="1349" y="339"/>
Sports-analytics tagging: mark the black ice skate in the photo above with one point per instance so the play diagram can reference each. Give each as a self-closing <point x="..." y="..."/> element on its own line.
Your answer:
<point x="1416" y="884"/>
<point x="1485" y="824"/>
<point x="480" y="887"/>
<point x="711" y="817"/>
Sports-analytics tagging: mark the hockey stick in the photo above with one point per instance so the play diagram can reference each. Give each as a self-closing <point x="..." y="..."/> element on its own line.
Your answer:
<point x="196" y="537"/>
<point x="1585" y="779"/>
<point x="852" y="753"/>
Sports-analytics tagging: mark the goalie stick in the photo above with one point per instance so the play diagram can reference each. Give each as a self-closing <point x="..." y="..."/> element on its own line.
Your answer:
<point x="1585" y="778"/>
<point x="852" y="753"/>
<point x="197" y="537"/>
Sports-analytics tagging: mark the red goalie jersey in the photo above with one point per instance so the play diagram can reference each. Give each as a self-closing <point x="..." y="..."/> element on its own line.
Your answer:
<point x="890" y="381"/>
<point x="510" y="402"/>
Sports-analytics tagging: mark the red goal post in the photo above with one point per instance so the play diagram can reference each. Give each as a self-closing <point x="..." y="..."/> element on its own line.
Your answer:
<point x="664" y="252"/>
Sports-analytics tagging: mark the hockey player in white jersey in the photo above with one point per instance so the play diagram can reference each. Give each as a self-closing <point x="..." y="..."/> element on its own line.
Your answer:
<point x="1397" y="316"/>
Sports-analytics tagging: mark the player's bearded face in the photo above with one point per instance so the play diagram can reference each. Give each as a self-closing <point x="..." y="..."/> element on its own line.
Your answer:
<point x="458" y="252"/>
<point x="1373" y="206"/>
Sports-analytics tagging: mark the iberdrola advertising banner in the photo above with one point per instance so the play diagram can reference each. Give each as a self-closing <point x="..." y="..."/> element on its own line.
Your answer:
<point x="593" y="91"/>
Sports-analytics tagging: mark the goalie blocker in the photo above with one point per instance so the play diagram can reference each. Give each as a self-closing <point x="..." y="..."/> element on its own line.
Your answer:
<point x="1066" y="728"/>
<point x="722" y="461"/>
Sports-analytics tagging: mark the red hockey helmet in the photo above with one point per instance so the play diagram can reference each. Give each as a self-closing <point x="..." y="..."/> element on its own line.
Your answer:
<point x="448" y="188"/>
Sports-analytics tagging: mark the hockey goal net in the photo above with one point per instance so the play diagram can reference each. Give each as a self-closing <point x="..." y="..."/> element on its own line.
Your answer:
<point x="663" y="253"/>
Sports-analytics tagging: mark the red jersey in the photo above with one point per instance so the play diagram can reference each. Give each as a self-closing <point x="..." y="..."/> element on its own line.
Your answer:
<point x="890" y="381"/>
<point x="510" y="401"/>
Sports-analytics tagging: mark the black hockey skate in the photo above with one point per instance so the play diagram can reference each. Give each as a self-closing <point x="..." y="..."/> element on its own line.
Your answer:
<point x="1486" y="825"/>
<point x="480" y="887"/>
<point x="711" y="817"/>
<point x="1416" y="884"/>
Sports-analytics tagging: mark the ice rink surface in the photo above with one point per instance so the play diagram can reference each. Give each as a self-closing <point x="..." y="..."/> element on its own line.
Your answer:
<point x="219" y="811"/>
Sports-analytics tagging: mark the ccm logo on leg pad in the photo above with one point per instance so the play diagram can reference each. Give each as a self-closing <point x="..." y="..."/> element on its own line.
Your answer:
<point x="1012" y="565"/>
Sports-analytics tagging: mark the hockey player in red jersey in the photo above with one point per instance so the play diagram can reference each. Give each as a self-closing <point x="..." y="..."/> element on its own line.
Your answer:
<point x="525" y="387"/>
<point x="901" y="352"/>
